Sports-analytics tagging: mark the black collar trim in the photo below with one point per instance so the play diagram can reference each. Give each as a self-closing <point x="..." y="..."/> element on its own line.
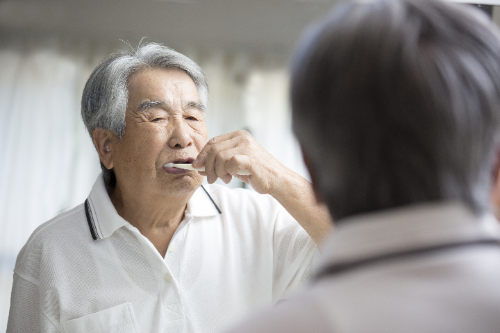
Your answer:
<point x="345" y="267"/>
<point x="93" y="228"/>
<point x="90" y="221"/>
<point x="218" y="210"/>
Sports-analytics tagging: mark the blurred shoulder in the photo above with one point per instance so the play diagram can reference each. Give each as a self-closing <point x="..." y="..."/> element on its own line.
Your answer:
<point x="300" y="314"/>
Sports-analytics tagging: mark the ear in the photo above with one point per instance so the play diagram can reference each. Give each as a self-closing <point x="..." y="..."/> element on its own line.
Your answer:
<point x="105" y="141"/>
<point x="495" y="188"/>
<point x="310" y="168"/>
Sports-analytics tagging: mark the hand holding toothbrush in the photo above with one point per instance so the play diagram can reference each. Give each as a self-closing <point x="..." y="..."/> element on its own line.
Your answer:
<point x="239" y="155"/>
<point x="227" y="155"/>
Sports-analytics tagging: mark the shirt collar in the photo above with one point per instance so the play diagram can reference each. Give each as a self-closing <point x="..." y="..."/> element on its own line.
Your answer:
<point x="406" y="228"/>
<point x="202" y="204"/>
<point x="103" y="219"/>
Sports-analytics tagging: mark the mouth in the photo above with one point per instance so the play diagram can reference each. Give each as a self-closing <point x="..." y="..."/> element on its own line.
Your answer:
<point x="187" y="160"/>
<point x="177" y="171"/>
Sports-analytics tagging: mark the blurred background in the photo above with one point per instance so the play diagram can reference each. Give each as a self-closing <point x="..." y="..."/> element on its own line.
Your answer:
<point x="48" y="48"/>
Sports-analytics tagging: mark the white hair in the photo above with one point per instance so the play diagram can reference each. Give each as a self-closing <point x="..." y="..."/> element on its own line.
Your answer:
<point x="105" y="95"/>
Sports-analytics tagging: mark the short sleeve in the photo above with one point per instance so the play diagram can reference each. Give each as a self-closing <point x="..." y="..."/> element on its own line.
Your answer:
<point x="25" y="313"/>
<point x="293" y="256"/>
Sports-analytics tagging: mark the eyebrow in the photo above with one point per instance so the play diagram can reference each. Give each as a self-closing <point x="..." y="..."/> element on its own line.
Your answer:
<point x="143" y="106"/>
<point x="149" y="105"/>
<point x="197" y="105"/>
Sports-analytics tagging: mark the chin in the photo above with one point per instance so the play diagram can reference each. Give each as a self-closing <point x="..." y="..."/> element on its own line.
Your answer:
<point x="183" y="184"/>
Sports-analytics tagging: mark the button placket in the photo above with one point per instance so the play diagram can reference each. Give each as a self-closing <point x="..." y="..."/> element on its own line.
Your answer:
<point x="174" y="252"/>
<point x="167" y="277"/>
<point x="171" y="299"/>
<point x="172" y="258"/>
<point x="171" y="284"/>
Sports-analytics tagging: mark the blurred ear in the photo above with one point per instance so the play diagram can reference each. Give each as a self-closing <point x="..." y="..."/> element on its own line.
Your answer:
<point x="104" y="141"/>
<point x="495" y="188"/>
<point x="310" y="168"/>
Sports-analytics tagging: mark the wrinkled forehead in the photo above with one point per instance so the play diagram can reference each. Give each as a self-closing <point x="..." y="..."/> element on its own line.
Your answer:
<point x="162" y="88"/>
<point x="160" y="104"/>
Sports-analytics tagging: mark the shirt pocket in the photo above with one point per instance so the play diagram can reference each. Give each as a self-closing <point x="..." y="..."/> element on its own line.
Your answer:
<point x="117" y="319"/>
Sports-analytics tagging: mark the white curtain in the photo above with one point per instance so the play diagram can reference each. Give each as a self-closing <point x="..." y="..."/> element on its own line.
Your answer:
<point x="47" y="161"/>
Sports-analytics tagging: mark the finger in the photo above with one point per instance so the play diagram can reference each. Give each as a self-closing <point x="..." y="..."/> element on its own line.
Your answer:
<point x="227" y="178"/>
<point x="245" y="179"/>
<point x="216" y="155"/>
<point x="221" y="159"/>
<point x="217" y="141"/>
<point x="237" y="162"/>
<point x="229" y="162"/>
<point x="201" y="158"/>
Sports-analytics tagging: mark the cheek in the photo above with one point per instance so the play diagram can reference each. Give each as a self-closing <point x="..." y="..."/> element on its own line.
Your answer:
<point x="157" y="138"/>
<point x="199" y="145"/>
<point x="148" y="143"/>
<point x="201" y="139"/>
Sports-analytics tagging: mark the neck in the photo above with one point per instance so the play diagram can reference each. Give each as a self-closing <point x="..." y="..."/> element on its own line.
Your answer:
<point x="150" y="213"/>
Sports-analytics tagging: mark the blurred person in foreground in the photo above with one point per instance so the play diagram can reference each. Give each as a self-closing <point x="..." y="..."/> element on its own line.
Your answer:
<point x="151" y="249"/>
<point x="396" y="104"/>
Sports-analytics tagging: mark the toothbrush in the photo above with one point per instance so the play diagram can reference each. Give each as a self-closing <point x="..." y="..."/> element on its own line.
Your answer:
<point x="190" y="167"/>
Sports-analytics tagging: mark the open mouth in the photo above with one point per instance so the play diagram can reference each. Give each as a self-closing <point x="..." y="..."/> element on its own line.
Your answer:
<point x="188" y="160"/>
<point x="176" y="171"/>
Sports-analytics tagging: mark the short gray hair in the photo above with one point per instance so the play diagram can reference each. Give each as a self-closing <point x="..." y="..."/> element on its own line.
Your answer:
<point x="396" y="102"/>
<point x="105" y="95"/>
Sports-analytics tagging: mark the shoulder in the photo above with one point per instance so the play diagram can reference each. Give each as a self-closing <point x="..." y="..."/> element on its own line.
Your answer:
<point x="301" y="314"/>
<point x="54" y="235"/>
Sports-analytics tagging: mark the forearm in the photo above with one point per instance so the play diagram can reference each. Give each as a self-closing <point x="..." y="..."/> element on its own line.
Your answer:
<point x="296" y="195"/>
<point x="224" y="155"/>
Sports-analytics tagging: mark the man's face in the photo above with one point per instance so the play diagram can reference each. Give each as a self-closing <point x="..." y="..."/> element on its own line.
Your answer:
<point x="165" y="123"/>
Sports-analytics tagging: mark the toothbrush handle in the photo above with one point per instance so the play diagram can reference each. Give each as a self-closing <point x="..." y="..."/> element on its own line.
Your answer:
<point x="244" y="172"/>
<point x="190" y="167"/>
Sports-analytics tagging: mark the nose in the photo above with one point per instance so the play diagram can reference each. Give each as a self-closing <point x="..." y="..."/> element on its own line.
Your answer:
<point x="180" y="136"/>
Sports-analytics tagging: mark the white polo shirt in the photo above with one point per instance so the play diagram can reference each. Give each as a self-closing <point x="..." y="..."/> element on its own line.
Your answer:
<point x="89" y="270"/>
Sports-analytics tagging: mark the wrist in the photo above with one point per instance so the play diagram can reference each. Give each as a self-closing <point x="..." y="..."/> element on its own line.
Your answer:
<point x="282" y="180"/>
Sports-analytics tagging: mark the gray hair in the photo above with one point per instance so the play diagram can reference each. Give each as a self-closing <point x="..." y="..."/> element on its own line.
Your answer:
<point x="105" y="95"/>
<point x="396" y="102"/>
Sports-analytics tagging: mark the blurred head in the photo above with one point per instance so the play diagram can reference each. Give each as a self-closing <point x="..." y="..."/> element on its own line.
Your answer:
<point x="106" y="97"/>
<point x="396" y="102"/>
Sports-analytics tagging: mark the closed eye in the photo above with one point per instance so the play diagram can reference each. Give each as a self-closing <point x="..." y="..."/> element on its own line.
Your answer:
<point x="157" y="120"/>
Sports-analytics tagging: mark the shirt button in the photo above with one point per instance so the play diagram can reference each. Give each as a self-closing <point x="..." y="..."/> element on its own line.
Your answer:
<point x="172" y="248"/>
<point x="167" y="277"/>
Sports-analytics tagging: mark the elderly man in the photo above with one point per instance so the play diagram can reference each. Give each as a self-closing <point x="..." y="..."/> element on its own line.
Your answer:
<point x="396" y="105"/>
<point x="151" y="249"/>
